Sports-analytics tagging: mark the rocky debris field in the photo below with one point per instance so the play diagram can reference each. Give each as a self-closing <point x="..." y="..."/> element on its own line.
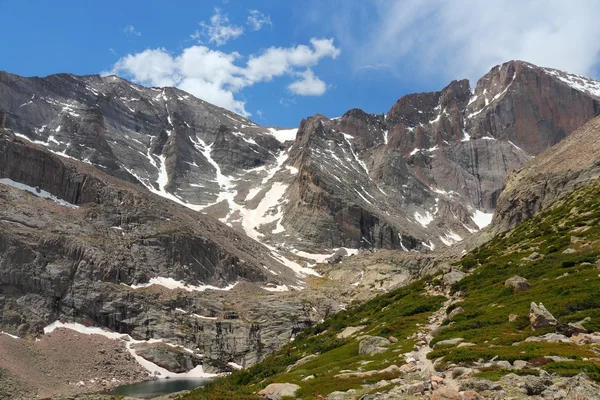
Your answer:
<point x="64" y="362"/>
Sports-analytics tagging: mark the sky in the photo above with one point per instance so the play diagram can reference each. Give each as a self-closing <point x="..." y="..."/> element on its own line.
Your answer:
<point x="277" y="62"/>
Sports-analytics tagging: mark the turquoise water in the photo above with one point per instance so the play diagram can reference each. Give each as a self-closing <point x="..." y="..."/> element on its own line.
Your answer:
<point x="150" y="389"/>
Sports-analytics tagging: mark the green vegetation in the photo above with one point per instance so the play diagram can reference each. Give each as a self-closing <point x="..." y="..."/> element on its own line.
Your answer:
<point x="564" y="276"/>
<point x="393" y="314"/>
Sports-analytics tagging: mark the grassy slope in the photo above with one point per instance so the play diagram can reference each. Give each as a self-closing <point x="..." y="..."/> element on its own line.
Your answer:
<point x="567" y="284"/>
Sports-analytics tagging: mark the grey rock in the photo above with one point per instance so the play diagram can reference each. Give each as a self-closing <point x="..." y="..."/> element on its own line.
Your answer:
<point x="373" y="345"/>
<point x="455" y="312"/>
<point x="540" y="317"/>
<point x="275" y="391"/>
<point x="535" y="385"/>
<point x="518" y="284"/>
<point x="452" y="277"/>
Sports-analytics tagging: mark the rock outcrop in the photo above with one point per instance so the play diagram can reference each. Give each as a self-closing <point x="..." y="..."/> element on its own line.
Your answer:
<point x="572" y="163"/>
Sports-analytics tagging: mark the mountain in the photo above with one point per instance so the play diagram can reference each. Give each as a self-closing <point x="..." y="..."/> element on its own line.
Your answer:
<point x="572" y="163"/>
<point x="426" y="174"/>
<point x="517" y="317"/>
<point x="199" y="235"/>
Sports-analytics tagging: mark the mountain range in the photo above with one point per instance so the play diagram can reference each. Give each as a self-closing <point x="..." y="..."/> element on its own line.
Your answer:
<point x="157" y="215"/>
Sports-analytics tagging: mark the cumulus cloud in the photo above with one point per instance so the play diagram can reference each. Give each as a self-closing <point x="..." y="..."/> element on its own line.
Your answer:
<point x="256" y="20"/>
<point x="130" y="30"/>
<point x="308" y="84"/>
<point x="218" y="30"/>
<point x="217" y="76"/>
<point x="465" y="38"/>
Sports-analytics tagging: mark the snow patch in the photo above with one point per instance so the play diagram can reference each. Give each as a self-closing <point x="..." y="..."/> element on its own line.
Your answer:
<point x="423" y="219"/>
<point x="171" y="283"/>
<point x="482" y="219"/>
<point x="41" y="193"/>
<point x="152" y="368"/>
<point x="283" y="135"/>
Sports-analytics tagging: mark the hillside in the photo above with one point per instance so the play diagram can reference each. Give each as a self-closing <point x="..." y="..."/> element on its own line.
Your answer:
<point x="479" y="327"/>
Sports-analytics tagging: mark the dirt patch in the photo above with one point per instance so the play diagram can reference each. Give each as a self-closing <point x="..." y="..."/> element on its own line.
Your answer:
<point x="65" y="362"/>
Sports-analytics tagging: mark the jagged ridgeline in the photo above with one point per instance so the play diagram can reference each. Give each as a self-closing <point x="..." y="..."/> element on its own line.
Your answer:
<point x="482" y="339"/>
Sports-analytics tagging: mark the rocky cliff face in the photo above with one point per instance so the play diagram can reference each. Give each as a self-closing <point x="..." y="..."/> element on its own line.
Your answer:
<point x="572" y="163"/>
<point x="431" y="170"/>
<point x="78" y="244"/>
<point x="423" y="176"/>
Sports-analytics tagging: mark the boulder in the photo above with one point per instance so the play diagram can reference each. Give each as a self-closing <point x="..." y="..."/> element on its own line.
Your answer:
<point x="452" y="277"/>
<point x="302" y="361"/>
<point x="520" y="364"/>
<point x="449" y="342"/>
<point x="373" y="345"/>
<point x="338" y="256"/>
<point x="518" y="284"/>
<point x="275" y="391"/>
<point x="535" y="385"/>
<point x="349" y="331"/>
<point x="445" y="393"/>
<point x="540" y="317"/>
<point x="455" y="312"/>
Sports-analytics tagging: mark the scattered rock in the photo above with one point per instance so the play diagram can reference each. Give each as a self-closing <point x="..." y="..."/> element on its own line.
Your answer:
<point x="586" y="338"/>
<point x="582" y="387"/>
<point x="275" y="391"/>
<point x="540" y="317"/>
<point x="392" y="339"/>
<point x="373" y="345"/>
<point x="518" y="284"/>
<point x="302" y="361"/>
<point x="504" y="364"/>
<point x="549" y="338"/>
<point x="512" y="317"/>
<point x="533" y="257"/>
<point x="448" y="342"/>
<point x="569" y="251"/>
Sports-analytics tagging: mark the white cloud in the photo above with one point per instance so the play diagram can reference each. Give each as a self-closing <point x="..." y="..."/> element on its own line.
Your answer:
<point x="130" y="30"/>
<point x="256" y="20"/>
<point x="217" y="77"/>
<point x="218" y="31"/>
<point x="308" y="85"/>
<point x="465" y="38"/>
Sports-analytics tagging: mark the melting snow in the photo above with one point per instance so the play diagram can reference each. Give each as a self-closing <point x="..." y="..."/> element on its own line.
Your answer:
<point x="283" y="135"/>
<point x="154" y="369"/>
<point x="482" y="219"/>
<point x="424" y="219"/>
<point x="577" y="82"/>
<point x="42" y="193"/>
<point x="450" y="238"/>
<point x="171" y="283"/>
<point x="8" y="334"/>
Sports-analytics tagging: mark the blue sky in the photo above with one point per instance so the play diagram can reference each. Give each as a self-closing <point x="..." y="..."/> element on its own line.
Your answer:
<point x="279" y="61"/>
